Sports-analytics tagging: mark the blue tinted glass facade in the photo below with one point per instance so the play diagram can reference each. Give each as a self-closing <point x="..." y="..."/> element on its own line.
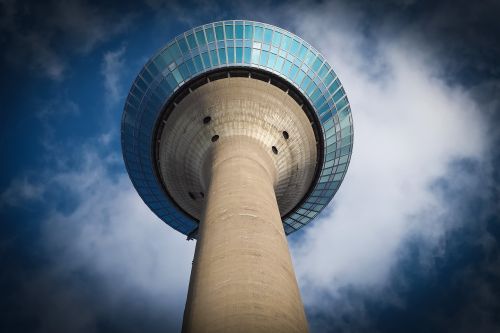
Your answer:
<point x="236" y="44"/>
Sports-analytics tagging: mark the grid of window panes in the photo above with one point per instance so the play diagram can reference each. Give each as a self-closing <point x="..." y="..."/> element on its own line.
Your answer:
<point x="226" y="44"/>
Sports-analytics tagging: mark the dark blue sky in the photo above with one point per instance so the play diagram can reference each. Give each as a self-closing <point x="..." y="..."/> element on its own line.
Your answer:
<point x="410" y="243"/>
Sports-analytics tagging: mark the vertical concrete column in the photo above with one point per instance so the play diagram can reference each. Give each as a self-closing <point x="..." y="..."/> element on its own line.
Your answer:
<point x="242" y="278"/>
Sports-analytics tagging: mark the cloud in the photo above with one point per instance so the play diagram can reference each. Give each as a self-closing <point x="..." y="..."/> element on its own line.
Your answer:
<point x="57" y="30"/>
<point x="410" y="126"/>
<point x="100" y="235"/>
<point x="20" y="192"/>
<point x="51" y="114"/>
<point x="112" y="67"/>
<point x="189" y="12"/>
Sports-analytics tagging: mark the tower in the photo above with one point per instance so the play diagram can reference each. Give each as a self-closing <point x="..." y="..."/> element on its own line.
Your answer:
<point x="238" y="133"/>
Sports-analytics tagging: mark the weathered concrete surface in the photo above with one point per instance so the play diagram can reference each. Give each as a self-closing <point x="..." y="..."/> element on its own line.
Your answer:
<point x="242" y="278"/>
<point x="237" y="107"/>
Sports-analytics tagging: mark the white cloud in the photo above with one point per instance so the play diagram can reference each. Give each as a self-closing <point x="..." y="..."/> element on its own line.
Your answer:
<point x="106" y="232"/>
<point x="112" y="67"/>
<point x="409" y="125"/>
<point x="21" y="191"/>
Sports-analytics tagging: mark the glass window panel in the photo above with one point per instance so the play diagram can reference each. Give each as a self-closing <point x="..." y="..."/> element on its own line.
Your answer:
<point x="328" y="157"/>
<point x="335" y="85"/>
<point x="286" y="67"/>
<point x="197" y="62"/>
<point x="316" y="64"/>
<point x="279" y="63"/>
<point x="213" y="57"/>
<point x="305" y="82"/>
<point x="346" y="131"/>
<point x="272" y="60"/>
<point x="316" y="94"/>
<point x="345" y="122"/>
<point x="239" y="54"/>
<point x="219" y="32"/>
<point x="311" y="214"/>
<point x="326" y="116"/>
<point x="309" y="58"/>
<point x="295" y="47"/>
<point x="311" y="89"/>
<point x="190" y="66"/>
<point x="229" y="31"/>
<point x="293" y="71"/>
<point x="140" y="83"/>
<point x="248" y="55"/>
<point x="258" y="33"/>
<point x="342" y="167"/>
<point x="276" y="39"/>
<point x="287" y="42"/>
<point x="329" y="133"/>
<point x="152" y="68"/>
<point x="319" y="102"/>
<point x="175" y="51"/>
<point x="300" y="77"/>
<point x="200" y="37"/>
<point x="210" y="34"/>
<point x="166" y="57"/>
<point x="239" y="31"/>
<point x="338" y="94"/>
<point x="264" y="57"/>
<point x="191" y="41"/>
<point x="159" y="62"/>
<point x="328" y="165"/>
<point x="183" y="45"/>
<point x="184" y="71"/>
<point x="327" y="125"/>
<point x="345" y="113"/>
<point x="166" y="86"/>
<point x="222" y="55"/>
<point x="268" y="35"/>
<point x="206" y="59"/>
<point x="303" y="51"/>
<point x="341" y="103"/>
<point x="171" y="81"/>
<point x="146" y="76"/>
<point x="323" y="70"/>
<point x="255" y="56"/>
<point x="248" y="32"/>
<point x="230" y="55"/>
<point x="329" y="78"/>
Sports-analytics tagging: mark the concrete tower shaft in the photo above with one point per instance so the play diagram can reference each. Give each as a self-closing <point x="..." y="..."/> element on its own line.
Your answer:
<point x="238" y="153"/>
<point x="242" y="278"/>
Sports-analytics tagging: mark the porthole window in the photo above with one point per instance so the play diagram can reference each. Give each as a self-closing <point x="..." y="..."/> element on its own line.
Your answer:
<point x="215" y="138"/>
<point x="285" y="135"/>
<point x="275" y="150"/>
<point x="206" y="120"/>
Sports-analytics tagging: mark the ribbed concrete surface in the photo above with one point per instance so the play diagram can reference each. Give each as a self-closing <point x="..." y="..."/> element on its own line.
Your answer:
<point x="242" y="278"/>
<point x="237" y="107"/>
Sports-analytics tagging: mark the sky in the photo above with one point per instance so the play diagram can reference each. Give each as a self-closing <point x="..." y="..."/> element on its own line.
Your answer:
<point x="410" y="243"/>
